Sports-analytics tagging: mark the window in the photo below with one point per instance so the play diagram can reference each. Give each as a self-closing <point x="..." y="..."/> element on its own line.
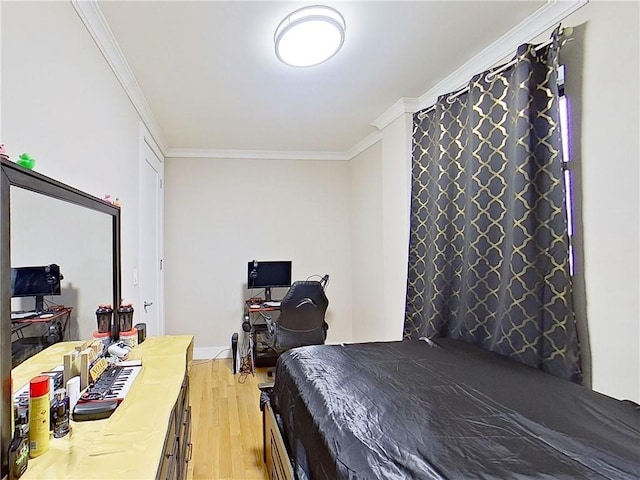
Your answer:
<point x="565" y="133"/>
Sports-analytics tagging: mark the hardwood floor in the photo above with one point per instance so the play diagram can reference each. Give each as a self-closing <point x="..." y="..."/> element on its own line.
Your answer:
<point x="227" y="422"/>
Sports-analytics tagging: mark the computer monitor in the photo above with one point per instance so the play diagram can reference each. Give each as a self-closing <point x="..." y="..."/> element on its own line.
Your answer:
<point x="36" y="282"/>
<point x="268" y="275"/>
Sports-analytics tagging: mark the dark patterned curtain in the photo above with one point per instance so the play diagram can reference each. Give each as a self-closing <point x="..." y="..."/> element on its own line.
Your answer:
<point x="488" y="253"/>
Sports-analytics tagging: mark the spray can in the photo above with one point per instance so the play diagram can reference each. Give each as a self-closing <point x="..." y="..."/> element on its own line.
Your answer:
<point x="39" y="415"/>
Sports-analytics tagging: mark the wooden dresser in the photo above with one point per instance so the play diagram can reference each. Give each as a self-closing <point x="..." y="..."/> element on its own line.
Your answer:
<point x="147" y="437"/>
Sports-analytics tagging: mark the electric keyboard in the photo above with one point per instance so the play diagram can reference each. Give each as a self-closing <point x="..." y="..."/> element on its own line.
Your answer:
<point x="102" y="397"/>
<point x="114" y="384"/>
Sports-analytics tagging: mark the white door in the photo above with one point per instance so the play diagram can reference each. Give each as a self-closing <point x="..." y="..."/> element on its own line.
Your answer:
<point x="150" y="272"/>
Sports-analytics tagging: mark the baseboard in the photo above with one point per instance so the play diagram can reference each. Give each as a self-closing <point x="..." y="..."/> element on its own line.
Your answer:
<point x="208" y="353"/>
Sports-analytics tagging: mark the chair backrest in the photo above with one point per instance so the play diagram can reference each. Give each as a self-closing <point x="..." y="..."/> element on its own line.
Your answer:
<point x="301" y="321"/>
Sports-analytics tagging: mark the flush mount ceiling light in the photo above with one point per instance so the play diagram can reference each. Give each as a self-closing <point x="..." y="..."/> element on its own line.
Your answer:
<point x="309" y="36"/>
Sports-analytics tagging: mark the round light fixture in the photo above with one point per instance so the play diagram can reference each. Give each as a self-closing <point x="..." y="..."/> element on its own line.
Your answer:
<point x="309" y="36"/>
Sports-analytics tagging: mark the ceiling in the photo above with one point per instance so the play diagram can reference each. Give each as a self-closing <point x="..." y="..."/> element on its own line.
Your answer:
<point x="212" y="81"/>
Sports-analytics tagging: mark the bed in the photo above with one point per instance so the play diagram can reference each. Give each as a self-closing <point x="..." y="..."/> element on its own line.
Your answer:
<point x="439" y="410"/>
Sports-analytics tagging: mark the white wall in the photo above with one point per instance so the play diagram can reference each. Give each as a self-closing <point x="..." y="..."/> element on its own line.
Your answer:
<point x="367" y="258"/>
<point x="220" y="214"/>
<point x="62" y="104"/>
<point x="381" y="184"/>
<point x="603" y="88"/>
<point x="396" y="205"/>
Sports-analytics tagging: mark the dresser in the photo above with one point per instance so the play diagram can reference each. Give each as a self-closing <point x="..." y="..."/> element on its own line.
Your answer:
<point x="149" y="434"/>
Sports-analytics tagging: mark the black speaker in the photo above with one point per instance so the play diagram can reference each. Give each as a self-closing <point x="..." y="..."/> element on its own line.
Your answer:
<point x="234" y="351"/>
<point x="54" y="334"/>
<point x="142" y="331"/>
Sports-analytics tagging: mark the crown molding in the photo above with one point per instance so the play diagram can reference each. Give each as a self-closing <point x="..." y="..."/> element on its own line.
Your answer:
<point x="97" y="26"/>
<point x="254" y="154"/>
<point x="363" y="144"/>
<point x="402" y="106"/>
<point x="546" y="17"/>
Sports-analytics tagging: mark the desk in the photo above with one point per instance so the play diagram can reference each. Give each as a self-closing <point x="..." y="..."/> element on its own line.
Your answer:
<point x="60" y="316"/>
<point x="147" y="437"/>
<point x="52" y="330"/>
<point x="262" y="354"/>
<point x="17" y="329"/>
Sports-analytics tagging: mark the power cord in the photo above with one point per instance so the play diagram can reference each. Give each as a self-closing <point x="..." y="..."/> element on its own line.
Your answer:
<point x="51" y="306"/>
<point x="202" y="362"/>
<point x="245" y="368"/>
<point x="257" y="297"/>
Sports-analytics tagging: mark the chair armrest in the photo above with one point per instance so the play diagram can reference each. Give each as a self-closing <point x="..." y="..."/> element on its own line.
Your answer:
<point x="269" y="322"/>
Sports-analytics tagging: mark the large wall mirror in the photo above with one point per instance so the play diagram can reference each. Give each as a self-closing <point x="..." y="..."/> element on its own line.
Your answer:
<point x="47" y="222"/>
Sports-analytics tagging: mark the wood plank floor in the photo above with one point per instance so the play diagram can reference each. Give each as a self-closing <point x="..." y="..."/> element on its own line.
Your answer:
<point x="226" y="422"/>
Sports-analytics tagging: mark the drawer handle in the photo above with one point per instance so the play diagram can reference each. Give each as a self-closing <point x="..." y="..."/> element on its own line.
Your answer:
<point x="190" y="445"/>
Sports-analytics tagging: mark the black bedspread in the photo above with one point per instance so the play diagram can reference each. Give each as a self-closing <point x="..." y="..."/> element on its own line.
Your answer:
<point x="409" y="410"/>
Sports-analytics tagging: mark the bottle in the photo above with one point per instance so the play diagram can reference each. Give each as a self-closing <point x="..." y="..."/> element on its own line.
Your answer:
<point x="19" y="450"/>
<point x="39" y="411"/>
<point x="60" y="411"/>
<point x="103" y="316"/>
<point x="125" y="317"/>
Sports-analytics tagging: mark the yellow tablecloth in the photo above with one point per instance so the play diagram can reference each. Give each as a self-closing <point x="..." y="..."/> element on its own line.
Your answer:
<point x="127" y="445"/>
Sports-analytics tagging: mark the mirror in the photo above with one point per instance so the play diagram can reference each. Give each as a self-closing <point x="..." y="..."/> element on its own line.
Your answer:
<point x="46" y="230"/>
<point x="43" y="221"/>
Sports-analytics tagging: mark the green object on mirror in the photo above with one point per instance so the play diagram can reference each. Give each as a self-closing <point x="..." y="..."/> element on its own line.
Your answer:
<point x="26" y="161"/>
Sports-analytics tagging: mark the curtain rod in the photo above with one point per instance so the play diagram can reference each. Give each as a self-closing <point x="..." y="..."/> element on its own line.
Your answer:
<point x="456" y="93"/>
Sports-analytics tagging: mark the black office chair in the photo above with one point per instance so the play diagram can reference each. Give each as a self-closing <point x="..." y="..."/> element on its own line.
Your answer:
<point x="301" y="321"/>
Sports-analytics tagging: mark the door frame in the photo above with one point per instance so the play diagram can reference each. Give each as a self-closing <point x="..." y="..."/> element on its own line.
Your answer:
<point x="145" y="138"/>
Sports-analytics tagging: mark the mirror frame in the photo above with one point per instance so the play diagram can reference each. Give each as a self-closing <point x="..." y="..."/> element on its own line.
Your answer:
<point x="13" y="174"/>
